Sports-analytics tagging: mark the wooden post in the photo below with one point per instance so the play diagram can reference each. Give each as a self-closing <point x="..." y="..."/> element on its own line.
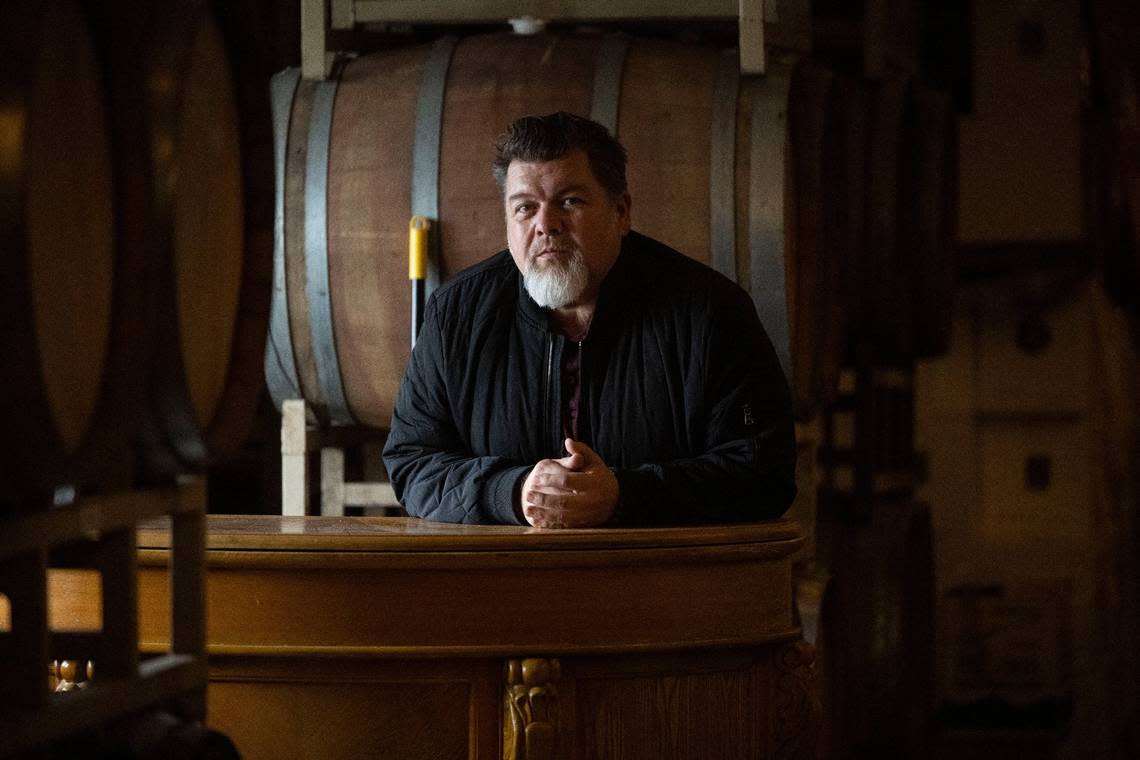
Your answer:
<point x="294" y="478"/>
<point x="313" y="60"/>
<point x="188" y="583"/>
<point x="342" y="14"/>
<point x="24" y="649"/>
<point x="751" y="30"/>
<point x="332" y="481"/>
<point x="119" y="647"/>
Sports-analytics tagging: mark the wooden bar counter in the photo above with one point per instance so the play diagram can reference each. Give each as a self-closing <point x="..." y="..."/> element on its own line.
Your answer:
<point x="403" y="638"/>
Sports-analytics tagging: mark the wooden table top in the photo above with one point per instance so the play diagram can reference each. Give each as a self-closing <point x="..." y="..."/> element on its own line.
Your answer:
<point x="410" y="534"/>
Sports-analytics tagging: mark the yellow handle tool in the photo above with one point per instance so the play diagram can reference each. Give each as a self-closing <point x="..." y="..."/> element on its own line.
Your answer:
<point x="418" y="247"/>
<point x="418" y="229"/>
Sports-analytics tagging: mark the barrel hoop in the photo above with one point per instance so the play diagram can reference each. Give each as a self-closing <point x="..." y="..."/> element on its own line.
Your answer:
<point x="766" y="209"/>
<point x="317" y="254"/>
<point x="607" y="81"/>
<point x="722" y="174"/>
<point x="280" y="364"/>
<point x="425" y="151"/>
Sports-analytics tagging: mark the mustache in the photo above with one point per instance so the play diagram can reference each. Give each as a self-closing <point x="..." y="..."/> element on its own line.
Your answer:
<point x="561" y="257"/>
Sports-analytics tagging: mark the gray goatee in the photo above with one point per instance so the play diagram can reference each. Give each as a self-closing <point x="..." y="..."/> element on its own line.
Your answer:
<point x="555" y="284"/>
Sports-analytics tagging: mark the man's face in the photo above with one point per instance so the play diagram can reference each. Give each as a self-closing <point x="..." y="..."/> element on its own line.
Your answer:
<point x="563" y="229"/>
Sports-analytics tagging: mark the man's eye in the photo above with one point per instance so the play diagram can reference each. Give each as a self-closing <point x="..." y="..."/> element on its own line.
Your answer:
<point x="571" y="201"/>
<point x="523" y="208"/>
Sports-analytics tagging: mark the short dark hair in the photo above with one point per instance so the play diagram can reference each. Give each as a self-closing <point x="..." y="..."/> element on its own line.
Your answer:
<point x="548" y="138"/>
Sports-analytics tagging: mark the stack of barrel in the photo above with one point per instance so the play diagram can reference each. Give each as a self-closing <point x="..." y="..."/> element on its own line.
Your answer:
<point x="136" y="215"/>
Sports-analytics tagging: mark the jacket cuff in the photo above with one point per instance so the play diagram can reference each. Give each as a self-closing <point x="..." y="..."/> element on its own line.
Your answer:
<point x="499" y="496"/>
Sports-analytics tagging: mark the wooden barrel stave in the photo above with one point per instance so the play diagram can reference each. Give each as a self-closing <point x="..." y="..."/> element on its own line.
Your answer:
<point x="670" y="87"/>
<point x="294" y="239"/>
<point x="370" y="203"/>
<point x="208" y="220"/>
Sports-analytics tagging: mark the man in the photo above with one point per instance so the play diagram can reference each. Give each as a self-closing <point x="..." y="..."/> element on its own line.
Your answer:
<point x="588" y="375"/>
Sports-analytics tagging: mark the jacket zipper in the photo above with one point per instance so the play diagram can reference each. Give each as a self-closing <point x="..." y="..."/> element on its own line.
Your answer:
<point x="548" y="391"/>
<point x="554" y="416"/>
<point x="582" y="426"/>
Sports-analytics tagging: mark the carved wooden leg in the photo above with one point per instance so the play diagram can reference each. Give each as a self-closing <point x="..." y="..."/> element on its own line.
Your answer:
<point x="530" y="709"/>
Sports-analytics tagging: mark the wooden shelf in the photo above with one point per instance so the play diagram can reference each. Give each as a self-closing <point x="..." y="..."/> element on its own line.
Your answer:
<point x="68" y="713"/>
<point x="417" y="11"/>
<point x="106" y="530"/>
<point x="790" y="20"/>
<point x="87" y="520"/>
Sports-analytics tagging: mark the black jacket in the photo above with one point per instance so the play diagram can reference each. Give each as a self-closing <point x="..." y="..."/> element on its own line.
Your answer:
<point x="682" y="396"/>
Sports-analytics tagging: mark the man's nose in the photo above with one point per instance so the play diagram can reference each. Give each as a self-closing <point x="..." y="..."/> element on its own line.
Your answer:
<point x="548" y="220"/>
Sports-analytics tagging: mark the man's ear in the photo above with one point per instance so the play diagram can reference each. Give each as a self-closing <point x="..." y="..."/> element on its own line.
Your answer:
<point x="623" y="204"/>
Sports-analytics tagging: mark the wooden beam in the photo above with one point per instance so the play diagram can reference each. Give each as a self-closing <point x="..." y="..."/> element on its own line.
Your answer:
<point x="294" y="448"/>
<point x="411" y="11"/>
<point x="751" y="30"/>
<point x="342" y="14"/>
<point x="313" y="59"/>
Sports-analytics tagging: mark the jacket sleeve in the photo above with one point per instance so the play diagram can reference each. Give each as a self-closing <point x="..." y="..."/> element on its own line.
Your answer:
<point x="746" y="471"/>
<point x="433" y="472"/>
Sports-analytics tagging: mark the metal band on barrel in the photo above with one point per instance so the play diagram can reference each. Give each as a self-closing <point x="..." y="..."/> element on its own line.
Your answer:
<point x="425" y="151"/>
<point x="317" y="254"/>
<point x="766" y="209"/>
<point x="607" y="82"/>
<point x="722" y="167"/>
<point x="280" y="364"/>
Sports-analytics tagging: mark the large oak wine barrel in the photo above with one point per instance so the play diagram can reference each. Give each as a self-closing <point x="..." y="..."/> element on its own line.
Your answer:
<point x="188" y="165"/>
<point x="211" y="309"/>
<point x="134" y="292"/>
<point x="715" y="161"/>
<point x="61" y="295"/>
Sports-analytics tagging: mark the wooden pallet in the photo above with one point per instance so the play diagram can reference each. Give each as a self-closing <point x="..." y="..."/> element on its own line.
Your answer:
<point x="98" y="534"/>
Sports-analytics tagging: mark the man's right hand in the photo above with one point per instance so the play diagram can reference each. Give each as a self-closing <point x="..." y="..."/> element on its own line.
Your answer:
<point x="576" y="491"/>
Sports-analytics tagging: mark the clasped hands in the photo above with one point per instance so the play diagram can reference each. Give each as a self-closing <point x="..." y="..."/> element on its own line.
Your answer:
<point x="576" y="491"/>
